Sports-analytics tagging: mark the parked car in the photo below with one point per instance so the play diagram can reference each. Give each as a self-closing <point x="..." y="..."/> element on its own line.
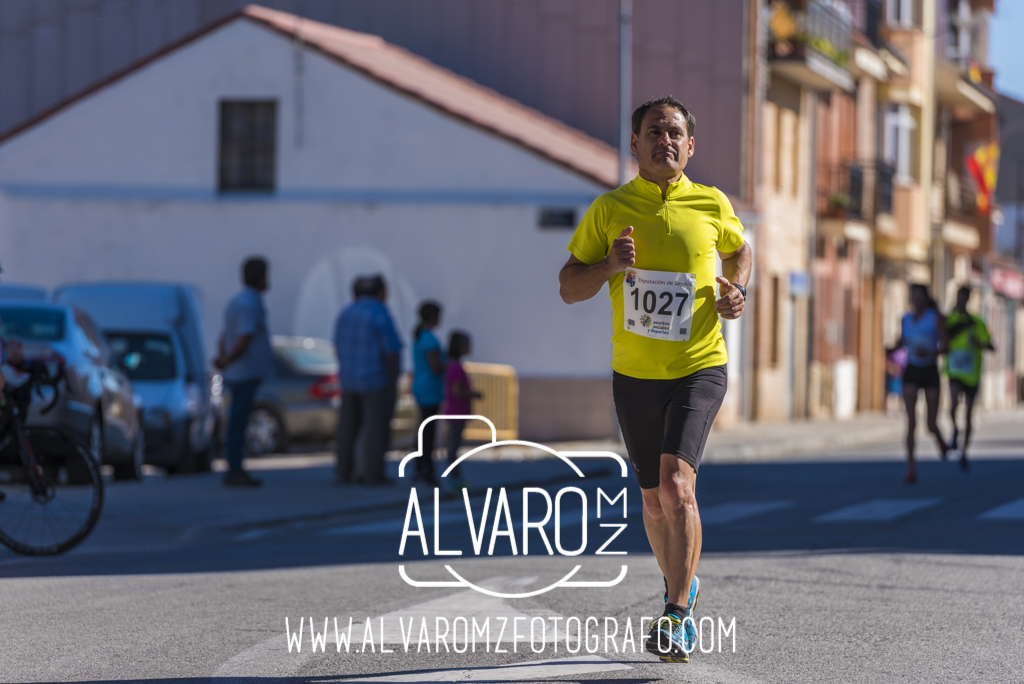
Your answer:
<point x="300" y="402"/>
<point x="99" y="405"/>
<point x="156" y="331"/>
<point x="20" y="291"/>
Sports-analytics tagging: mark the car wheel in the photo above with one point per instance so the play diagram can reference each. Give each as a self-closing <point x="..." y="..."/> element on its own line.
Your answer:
<point x="265" y="433"/>
<point x="133" y="469"/>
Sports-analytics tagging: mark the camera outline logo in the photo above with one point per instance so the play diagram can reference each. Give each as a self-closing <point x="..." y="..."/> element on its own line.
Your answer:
<point x="459" y="582"/>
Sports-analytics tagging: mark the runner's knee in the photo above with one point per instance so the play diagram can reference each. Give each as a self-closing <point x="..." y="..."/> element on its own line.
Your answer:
<point x="652" y="506"/>
<point x="677" y="496"/>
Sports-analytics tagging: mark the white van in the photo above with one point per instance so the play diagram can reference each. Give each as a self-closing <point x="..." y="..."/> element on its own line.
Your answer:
<point x="155" y="331"/>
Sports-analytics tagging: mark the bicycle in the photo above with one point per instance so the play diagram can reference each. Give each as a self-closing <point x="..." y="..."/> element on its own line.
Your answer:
<point x="51" y="488"/>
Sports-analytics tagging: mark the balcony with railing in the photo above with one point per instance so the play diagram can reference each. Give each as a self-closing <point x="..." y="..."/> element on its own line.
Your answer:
<point x="855" y="191"/>
<point x="809" y="43"/>
<point x="962" y="201"/>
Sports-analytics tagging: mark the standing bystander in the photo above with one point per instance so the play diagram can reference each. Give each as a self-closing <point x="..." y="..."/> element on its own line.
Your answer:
<point x="245" y="359"/>
<point x="427" y="384"/>
<point x="458" y="396"/>
<point x="368" y="365"/>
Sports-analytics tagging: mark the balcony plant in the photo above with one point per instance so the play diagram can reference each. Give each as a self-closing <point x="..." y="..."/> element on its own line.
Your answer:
<point x="838" y="206"/>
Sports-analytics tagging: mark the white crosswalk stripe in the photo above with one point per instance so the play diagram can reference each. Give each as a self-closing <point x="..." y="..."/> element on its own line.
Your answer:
<point x="1013" y="510"/>
<point x="531" y="670"/>
<point x="877" y="510"/>
<point x="724" y="513"/>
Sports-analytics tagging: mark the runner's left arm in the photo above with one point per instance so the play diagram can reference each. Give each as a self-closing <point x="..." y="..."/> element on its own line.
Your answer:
<point x="735" y="269"/>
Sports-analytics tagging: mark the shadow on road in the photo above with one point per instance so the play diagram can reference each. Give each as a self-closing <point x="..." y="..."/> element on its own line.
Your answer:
<point x="817" y="507"/>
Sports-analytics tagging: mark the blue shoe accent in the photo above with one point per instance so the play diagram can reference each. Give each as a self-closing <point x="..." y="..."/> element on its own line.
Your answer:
<point x="691" y="600"/>
<point x="672" y="638"/>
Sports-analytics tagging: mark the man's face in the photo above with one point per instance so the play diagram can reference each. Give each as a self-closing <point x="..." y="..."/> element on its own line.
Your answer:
<point x="663" y="145"/>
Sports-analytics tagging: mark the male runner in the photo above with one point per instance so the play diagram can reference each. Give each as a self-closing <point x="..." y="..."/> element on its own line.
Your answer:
<point x="653" y="241"/>
<point x="968" y="338"/>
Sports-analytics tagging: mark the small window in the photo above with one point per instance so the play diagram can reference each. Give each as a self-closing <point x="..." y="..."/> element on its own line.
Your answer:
<point x="901" y="12"/>
<point x="557" y="218"/>
<point x="248" y="142"/>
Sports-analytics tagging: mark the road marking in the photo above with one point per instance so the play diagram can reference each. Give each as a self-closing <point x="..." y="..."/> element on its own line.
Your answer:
<point x="536" y="669"/>
<point x="724" y="513"/>
<point x="877" y="510"/>
<point x="270" y="660"/>
<point x="1013" y="510"/>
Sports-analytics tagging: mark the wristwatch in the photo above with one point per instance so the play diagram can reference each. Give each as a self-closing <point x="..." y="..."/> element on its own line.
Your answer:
<point x="743" y="290"/>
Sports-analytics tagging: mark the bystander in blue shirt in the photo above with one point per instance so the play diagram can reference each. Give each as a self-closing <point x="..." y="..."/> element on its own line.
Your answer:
<point x="427" y="387"/>
<point x="245" y="316"/>
<point x="363" y="334"/>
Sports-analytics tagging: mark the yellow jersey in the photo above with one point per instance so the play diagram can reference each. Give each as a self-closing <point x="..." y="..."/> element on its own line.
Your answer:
<point x="672" y="329"/>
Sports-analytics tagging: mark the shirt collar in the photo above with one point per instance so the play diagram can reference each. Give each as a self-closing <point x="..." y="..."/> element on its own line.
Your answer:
<point x="646" y="188"/>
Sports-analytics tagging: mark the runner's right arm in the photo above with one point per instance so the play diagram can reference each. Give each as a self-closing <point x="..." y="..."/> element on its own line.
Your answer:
<point x="579" y="281"/>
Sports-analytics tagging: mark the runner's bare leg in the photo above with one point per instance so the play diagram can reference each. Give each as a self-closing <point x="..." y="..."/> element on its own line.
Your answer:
<point x="672" y="522"/>
<point x="910" y="400"/>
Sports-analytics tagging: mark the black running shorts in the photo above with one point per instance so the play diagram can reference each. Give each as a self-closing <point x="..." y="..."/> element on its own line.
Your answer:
<point x="923" y="377"/>
<point x="959" y="386"/>
<point x="667" y="417"/>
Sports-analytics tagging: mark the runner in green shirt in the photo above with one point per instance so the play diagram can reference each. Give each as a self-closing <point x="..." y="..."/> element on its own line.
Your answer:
<point x="968" y="339"/>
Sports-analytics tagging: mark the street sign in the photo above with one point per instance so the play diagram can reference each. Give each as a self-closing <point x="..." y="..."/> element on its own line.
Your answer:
<point x="800" y="284"/>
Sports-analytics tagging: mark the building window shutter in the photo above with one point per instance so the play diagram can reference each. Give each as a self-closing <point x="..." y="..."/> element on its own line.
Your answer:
<point x="248" y="146"/>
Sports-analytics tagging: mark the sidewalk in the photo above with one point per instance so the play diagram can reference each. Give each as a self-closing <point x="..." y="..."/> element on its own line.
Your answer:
<point x="755" y="442"/>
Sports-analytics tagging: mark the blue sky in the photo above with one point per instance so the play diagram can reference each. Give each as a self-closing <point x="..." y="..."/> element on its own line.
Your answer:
<point x="1006" y="49"/>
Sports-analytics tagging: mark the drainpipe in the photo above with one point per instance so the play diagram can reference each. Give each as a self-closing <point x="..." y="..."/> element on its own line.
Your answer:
<point x="812" y="239"/>
<point x="625" y="86"/>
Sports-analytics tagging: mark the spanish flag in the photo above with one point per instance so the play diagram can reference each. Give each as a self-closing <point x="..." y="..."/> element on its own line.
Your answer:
<point x="983" y="165"/>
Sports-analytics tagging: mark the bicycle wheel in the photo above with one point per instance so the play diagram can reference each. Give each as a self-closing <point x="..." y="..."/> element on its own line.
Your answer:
<point x="52" y="521"/>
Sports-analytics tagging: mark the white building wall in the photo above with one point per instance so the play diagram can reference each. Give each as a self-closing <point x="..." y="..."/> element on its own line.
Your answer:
<point x="122" y="185"/>
<point x="492" y="269"/>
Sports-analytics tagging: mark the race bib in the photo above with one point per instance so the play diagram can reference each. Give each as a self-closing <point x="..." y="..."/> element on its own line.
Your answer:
<point x="961" y="361"/>
<point x="658" y="304"/>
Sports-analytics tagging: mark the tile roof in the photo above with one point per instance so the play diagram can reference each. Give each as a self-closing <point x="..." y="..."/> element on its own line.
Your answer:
<point x="415" y="76"/>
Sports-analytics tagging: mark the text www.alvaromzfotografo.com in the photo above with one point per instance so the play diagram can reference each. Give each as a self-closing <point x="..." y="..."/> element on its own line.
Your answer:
<point x="461" y="634"/>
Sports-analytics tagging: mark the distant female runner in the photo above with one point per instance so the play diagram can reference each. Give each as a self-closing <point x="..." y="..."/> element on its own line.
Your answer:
<point x="923" y="333"/>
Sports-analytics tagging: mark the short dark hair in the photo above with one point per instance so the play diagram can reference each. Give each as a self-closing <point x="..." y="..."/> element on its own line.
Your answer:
<point x="254" y="271"/>
<point x="923" y="289"/>
<point x="964" y="289"/>
<point x="664" y="101"/>
<point x="368" y="286"/>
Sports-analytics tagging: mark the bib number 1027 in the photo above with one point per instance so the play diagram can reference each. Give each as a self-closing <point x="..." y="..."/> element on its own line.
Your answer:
<point x="658" y="304"/>
<point x="651" y="298"/>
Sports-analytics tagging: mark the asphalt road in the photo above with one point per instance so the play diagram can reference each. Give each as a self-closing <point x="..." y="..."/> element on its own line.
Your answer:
<point x="831" y="568"/>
